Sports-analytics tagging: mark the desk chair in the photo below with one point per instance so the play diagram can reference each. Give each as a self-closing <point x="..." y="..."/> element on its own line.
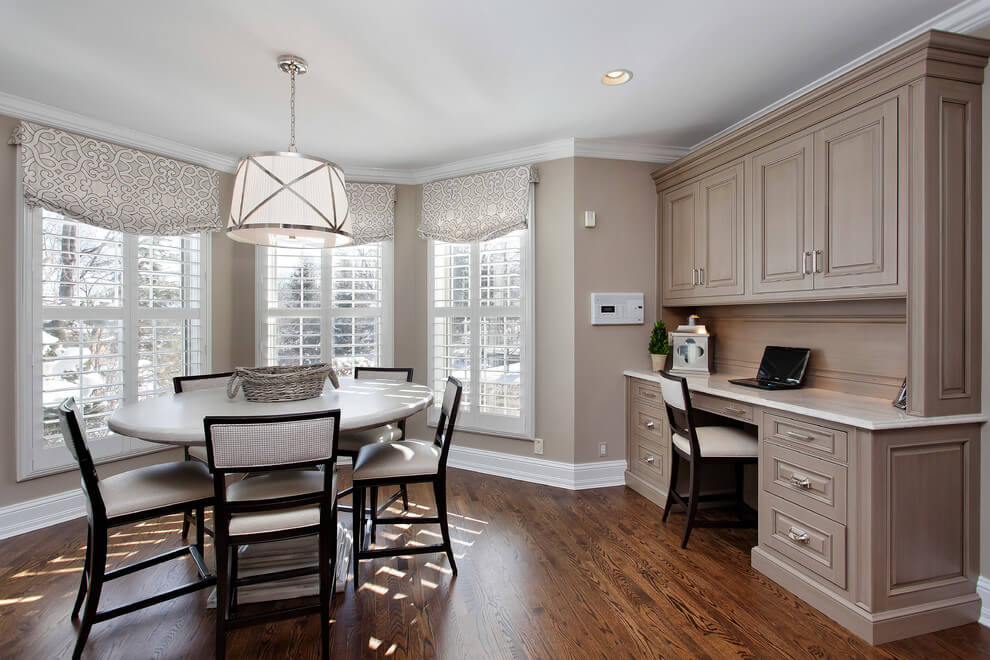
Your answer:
<point x="129" y="497"/>
<point x="700" y="447"/>
<point x="407" y="462"/>
<point x="196" y="452"/>
<point x="291" y="493"/>
<point x="351" y="442"/>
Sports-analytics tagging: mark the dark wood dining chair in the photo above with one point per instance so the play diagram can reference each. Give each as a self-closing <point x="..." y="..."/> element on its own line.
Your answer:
<point x="351" y="442"/>
<point x="196" y="452"/>
<point x="700" y="447"/>
<point x="290" y="492"/>
<point x="407" y="462"/>
<point x="129" y="497"/>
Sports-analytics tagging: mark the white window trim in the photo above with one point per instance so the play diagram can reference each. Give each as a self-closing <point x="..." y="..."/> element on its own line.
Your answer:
<point x="523" y="427"/>
<point x="28" y="388"/>
<point x="326" y="312"/>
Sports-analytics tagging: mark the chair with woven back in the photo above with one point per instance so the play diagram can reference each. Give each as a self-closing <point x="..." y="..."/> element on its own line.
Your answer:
<point x="123" y="499"/>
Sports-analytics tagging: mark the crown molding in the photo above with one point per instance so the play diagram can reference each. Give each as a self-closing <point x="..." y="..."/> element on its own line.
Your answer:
<point x="965" y="17"/>
<point x="379" y="175"/>
<point x="21" y="108"/>
<point x="533" y="154"/>
<point x="621" y="150"/>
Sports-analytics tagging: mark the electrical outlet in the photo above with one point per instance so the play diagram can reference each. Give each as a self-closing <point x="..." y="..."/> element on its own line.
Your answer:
<point x="538" y="446"/>
<point x="603" y="449"/>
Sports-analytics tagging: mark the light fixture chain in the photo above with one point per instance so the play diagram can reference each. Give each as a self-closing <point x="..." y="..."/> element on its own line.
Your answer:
<point x="292" y="109"/>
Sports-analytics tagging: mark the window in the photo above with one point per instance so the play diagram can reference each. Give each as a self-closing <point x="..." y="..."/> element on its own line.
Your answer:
<point x="332" y="306"/>
<point x="106" y="318"/>
<point x="480" y="297"/>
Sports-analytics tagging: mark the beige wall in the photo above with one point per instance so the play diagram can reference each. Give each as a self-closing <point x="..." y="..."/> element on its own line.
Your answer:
<point x="619" y="255"/>
<point x="230" y="320"/>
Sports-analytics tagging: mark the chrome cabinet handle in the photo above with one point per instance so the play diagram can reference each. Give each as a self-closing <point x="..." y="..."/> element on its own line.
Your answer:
<point x="650" y="459"/>
<point x="814" y="261"/>
<point x="701" y="276"/>
<point x="694" y="277"/>
<point x="650" y="425"/>
<point x="799" y="436"/>
<point x="737" y="411"/>
<point x="800" y="482"/>
<point x="804" y="263"/>
<point x="798" y="536"/>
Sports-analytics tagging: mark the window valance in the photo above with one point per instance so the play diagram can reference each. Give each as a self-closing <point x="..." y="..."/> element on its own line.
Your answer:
<point x="115" y="187"/>
<point x="477" y="207"/>
<point x="372" y="210"/>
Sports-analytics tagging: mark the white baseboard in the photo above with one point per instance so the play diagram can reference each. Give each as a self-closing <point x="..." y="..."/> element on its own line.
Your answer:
<point x="600" y="474"/>
<point x="983" y="590"/>
<point x="42" y="512"/>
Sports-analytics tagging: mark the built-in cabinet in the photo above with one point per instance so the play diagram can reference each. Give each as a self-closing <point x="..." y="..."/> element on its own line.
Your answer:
<point x="703" y="234"/>
<point x="823" y="216"/>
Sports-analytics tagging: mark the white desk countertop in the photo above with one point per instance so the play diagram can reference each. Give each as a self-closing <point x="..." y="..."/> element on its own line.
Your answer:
<point x="860" y="411"/>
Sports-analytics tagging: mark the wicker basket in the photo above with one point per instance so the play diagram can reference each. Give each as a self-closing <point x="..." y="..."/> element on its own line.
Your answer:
<point x="275" y="384"/>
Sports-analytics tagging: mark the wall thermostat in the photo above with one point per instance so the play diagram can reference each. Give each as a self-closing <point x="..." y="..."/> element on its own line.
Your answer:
<point x="616" y="308"/>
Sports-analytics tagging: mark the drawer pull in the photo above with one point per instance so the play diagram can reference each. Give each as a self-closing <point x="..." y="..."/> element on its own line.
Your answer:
<point x="798" y="536"/>
<point x="650" y="425"/>
<point x="800" y="482"/>
<point x="799" y="436"/>
<point x="650" y="459"/>
<point x="736" y="411"/>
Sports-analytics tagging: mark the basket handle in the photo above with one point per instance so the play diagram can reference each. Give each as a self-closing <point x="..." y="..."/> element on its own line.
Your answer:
<point x="233" y="386"/>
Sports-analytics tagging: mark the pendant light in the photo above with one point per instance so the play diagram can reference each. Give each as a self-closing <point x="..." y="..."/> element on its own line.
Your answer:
<point x="288" y="199"/>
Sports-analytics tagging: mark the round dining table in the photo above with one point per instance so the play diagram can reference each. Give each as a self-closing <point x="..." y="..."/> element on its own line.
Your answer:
<point x="177" y="419"/>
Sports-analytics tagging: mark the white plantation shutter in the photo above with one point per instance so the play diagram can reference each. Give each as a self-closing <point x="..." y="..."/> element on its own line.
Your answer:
<point x="331" y="306"/>
<point x="480" y="298"/>
<point x="106" y="318"/>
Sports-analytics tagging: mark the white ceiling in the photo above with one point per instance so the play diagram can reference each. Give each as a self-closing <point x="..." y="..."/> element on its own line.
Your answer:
<point x="407" y="83"/>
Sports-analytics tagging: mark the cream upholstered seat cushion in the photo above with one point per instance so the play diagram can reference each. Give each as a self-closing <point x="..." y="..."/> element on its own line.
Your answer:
<point x="156" y="486"/>
<point x="719" y="442"/>
<point x="274" y="485"/>
<point x="198" y="452"/>
<point x="388" y="460"/>
<point x="352" y="441"/>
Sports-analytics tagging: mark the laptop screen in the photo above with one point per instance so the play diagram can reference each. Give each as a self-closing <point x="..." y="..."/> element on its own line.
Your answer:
<point x="783" y="365"/>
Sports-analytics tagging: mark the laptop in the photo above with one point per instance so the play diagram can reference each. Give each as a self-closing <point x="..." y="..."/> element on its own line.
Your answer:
<point x="781" y="368"/>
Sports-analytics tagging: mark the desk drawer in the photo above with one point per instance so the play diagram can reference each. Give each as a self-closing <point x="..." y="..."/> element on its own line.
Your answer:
<point x="647" y="460"/>
<point x="646" y="421"/>
<point x="724" y="407"/>
<point x="807" y="437"/>
<point x="805" y="480"/>
<point x="645" y="391"/>
<point x="813" y="542"/>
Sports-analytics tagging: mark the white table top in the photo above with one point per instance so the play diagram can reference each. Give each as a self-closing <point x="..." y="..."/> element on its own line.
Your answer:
<point x="860" y="411"/>
<point x="177" y="419"/>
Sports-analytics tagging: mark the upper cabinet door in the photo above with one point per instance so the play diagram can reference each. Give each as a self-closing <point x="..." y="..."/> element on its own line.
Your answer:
<point x="783" y="216"/>
<point x="679" y="213"/>
<point x="719" y="242"/>
<point x="856" y="166"/>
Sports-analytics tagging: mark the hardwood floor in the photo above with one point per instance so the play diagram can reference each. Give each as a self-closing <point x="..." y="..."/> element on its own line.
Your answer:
<point x="544" y="573"/>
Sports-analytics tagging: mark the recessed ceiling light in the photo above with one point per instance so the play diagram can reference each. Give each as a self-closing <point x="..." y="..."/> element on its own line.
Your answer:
<point x="617" y="77"/>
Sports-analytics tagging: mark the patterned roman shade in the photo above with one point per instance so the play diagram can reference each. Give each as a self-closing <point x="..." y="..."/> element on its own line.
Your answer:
<point x="372" y="211"/>
<point x="477" y="207"/>
<point x="114" y="187"/>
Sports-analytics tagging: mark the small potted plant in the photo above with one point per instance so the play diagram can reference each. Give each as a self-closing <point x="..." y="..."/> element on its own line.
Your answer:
<point x="659" y="348"/>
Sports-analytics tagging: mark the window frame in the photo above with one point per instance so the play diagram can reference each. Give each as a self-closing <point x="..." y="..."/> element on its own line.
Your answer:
<point x="327" y="313"/>
<point x="469" y="419"/>
<point x="33" y="460"/>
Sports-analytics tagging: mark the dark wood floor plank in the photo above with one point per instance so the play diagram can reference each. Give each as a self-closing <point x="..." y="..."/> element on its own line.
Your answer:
<point x="544" y="573"/>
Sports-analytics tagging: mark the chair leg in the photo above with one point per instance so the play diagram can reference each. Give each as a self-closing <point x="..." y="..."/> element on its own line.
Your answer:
<point x="327" y="552"/>
<point x="85" y="574"/>
<point x="201" y="531"/>
<point x="440" y="494"/>
<point x="97" y="569"/>
<point x="405" y="497"/>
<point x="357" y="515"/>
<point x="692" y="504"/>
<point x="222" y="552"/>
<point x="234" y="554"/>
<point x="373" y="492"/>
<point x="186" y="515"/>
<point x="675" y="463"/>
